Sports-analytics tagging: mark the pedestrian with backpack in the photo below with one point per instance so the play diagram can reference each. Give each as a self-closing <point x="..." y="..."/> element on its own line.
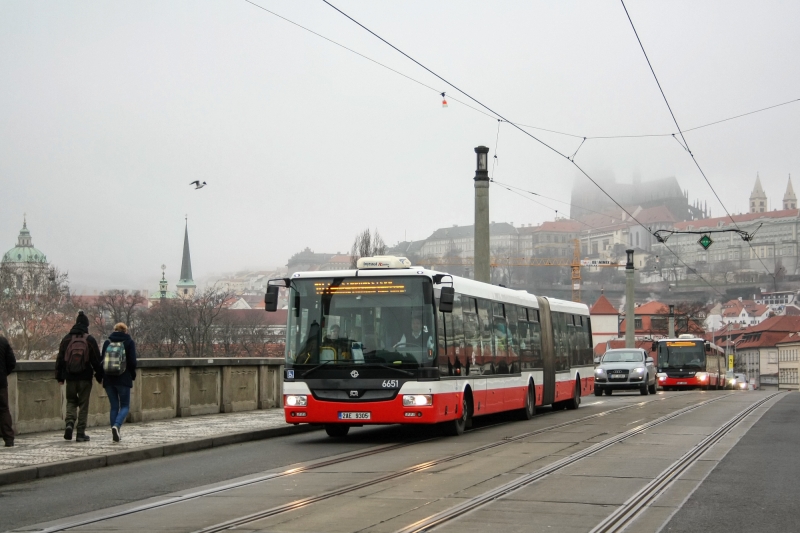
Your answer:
<point x="119" y="371"/>
<point x="7" y="364"/>
<point x="78" y="355"/>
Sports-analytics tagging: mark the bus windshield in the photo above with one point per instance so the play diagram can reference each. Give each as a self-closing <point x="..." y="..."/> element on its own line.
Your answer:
<point x="681" y="354"/>
<point x="361" y="320"/>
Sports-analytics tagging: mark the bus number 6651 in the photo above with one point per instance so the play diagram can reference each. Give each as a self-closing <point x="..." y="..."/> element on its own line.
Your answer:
<point x="391" y="384"/>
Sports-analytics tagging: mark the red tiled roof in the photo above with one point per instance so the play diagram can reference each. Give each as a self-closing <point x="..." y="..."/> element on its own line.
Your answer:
<point x="791" y="337"/>
<point x="721" y="222"/>
<point x="761" y="339"/>
<point x="783" y="323"/>
<point x="603" y="307"/>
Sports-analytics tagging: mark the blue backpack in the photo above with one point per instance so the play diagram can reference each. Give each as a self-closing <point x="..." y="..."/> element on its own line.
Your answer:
<point x="114" y="361"/>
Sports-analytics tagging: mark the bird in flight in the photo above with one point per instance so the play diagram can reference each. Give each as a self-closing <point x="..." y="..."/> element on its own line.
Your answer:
<point x="198" y="185"/>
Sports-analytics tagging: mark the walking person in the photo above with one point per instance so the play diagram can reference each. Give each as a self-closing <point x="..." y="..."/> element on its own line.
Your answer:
<point x="119" y="368"/>
<point x="7" y="364"/>
<point x="78" y="355"/>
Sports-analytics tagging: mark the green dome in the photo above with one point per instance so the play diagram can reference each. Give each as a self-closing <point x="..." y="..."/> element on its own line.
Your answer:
<point x="24" y="252"/>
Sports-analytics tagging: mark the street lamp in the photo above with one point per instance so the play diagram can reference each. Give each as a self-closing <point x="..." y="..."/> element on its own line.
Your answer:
<point x="630" y="330"/>
<point x="483" y="153"/>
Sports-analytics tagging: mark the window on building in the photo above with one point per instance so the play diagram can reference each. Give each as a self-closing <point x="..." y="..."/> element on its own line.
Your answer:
<point x="637" y="323"/>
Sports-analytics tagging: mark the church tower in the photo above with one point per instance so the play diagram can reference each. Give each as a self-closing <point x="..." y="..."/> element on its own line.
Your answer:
<point x="789" y="199"/>
<point x="186" y="286"/>
<point x="758" y="199"/>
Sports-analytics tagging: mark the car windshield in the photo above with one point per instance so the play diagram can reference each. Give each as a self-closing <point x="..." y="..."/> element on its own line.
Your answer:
<point x="623" y="357"/>
<point x="361" y="320"/>
<point x="682" y="354"/>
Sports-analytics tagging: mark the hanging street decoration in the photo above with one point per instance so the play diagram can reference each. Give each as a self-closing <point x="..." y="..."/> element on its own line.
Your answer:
<point x="444" y="101"/>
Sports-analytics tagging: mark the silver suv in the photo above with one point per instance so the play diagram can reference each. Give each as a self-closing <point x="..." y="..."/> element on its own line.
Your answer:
<point x="625" y="369"/>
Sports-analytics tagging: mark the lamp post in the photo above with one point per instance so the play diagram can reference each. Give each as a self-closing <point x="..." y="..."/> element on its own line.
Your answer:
<point x="629" y="305"/>
<point x="481" y="267"/>
<point x="671" y="321"/>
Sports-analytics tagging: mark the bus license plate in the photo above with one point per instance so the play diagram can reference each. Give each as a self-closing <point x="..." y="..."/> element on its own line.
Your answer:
<point x="681" y="383"/>
<point x="354" y="416"/>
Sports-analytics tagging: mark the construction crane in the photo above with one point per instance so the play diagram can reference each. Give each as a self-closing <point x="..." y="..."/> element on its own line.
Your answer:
<point x="575" y="263"/>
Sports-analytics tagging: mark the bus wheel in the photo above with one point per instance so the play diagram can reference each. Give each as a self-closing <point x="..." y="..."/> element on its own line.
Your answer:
<point x="529" y="410"/>
<point x="456" y="427"/>
<point x="337" y="430"/>
<point x="575" y="401"/>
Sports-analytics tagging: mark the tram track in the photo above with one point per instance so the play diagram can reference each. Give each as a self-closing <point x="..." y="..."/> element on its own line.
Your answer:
<point x="175" y="500"/>
<point x="457" y="511"/>
<point x="633" y="508"/>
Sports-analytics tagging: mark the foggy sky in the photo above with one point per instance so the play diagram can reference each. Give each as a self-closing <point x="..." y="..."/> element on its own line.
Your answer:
<point x="108" y="111"/>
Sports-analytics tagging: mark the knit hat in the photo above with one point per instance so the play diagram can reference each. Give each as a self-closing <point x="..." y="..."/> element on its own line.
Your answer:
<point x="82" y="320"/>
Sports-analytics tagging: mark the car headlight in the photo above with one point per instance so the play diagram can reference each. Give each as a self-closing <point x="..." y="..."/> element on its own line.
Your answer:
<point x="639" y="370"/>
<point x="731" y="381"/>
<point x="416" y="400"/>
<point x="661" y="376"/>
<point x="599" y="371"/>
<point x="296" y="400"/>
<point x="743" y="385"/>
<point x="701" y="376"/>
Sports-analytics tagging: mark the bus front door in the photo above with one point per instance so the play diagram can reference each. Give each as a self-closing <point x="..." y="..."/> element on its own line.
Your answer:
<point x="548" y="352"/>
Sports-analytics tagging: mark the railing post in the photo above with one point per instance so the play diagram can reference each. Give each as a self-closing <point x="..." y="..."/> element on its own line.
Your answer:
<point x="183" y="393"/>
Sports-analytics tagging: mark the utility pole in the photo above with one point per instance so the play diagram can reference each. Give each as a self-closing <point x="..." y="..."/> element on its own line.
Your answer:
<point x="671" y="321"/>
<point x="630" y="329"/>
<point x="482" y="272"/>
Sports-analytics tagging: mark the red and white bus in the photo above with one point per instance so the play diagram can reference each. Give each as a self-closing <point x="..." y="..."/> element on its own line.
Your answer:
<point x="689" y="363"/>
<point x="389" y="343"/>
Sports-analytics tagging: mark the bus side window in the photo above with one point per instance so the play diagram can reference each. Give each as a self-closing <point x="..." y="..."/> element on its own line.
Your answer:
<point x="484" y="320"/>
<point x="536" y="339"/>
<point x="588" y="348"/>
<point x="572" y="345"/>
<point x="513" y="339"/>
<point x="560" y="341"/>
<point x="472" y="338"/>
<point x="443" y="345"/>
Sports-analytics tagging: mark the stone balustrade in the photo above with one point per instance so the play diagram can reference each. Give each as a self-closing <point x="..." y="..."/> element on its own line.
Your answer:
<point x="164" y="388"/>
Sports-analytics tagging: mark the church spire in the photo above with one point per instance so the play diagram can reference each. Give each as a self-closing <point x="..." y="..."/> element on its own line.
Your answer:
<point x="186" y="285"/>
<point x="758" y="198"/>
<point x="789" y="199"/>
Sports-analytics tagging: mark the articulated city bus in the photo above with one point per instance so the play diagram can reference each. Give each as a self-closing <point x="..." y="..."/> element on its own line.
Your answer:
<point x="689" y="363"/>
<point x="389" y="343"/>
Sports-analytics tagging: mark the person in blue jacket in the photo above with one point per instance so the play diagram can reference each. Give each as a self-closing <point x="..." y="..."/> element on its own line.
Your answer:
<point x="118" y="387"/>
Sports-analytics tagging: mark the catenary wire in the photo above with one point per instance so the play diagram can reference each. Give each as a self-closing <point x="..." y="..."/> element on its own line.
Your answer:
<point x="481" y="104"/>
<point x="501" y="119"/>
<point x="685" y="143"/>
<point x="496" y="142"/>
<point x="549" y="198"/>
<point x="577" y="136"/>
<point x="517" y="127"/>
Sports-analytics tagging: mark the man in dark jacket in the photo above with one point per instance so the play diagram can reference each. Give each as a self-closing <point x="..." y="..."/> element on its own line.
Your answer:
<point x="7" y="364"/>
<point x="78" y="346"/>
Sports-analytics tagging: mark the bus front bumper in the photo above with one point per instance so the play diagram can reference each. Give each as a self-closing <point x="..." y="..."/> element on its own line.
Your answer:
<point x="688" y="382"/>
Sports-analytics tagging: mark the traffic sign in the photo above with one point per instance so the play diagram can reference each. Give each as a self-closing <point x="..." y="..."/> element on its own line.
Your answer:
<point x="705" y="241"/>
<point x="730" y="361"/>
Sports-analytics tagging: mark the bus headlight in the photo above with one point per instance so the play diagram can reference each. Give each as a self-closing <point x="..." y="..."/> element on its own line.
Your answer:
<point x="296" y="400"/>
<point x="701" y="376"/>
<point x="661" y="376"/>
<point x="416" y="400"/>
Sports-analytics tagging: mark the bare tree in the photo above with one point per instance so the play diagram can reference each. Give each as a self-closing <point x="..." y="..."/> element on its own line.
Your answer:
<point x="158" y="334"/>
<point x="366" y="244"/>
<point x="194" y="319"/>
<point x="115" y="306"/>
<point x="35" y="308"/>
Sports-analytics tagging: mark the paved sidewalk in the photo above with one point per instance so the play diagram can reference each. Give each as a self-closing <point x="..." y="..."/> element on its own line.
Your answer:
<point x="37" y="455"/>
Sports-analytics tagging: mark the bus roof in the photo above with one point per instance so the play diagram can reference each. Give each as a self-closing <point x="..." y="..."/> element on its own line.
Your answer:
<point x="466" y="286"/>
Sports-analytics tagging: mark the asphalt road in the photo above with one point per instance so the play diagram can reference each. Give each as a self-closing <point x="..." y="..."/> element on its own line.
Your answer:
<point x="52" y="498"/>
<point x="48" y="499"/>
<point x="754" y="488"/>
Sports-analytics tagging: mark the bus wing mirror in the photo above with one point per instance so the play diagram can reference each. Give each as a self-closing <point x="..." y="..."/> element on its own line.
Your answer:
<point x="446" y="299"/>
<point x="271" y="298"/>
<point x="708" y="347"/>
<point x="654" y="347"/>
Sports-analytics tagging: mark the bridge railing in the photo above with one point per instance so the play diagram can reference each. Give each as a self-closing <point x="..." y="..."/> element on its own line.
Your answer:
<point x="164" y="388"/>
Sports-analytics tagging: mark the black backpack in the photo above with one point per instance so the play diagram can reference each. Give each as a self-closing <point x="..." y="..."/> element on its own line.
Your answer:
<point x="76" y="356"/>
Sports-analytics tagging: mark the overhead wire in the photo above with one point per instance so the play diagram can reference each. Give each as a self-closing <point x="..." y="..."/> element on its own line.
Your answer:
<point x="575" y="135"/>
<point x="685" y="142"/>
<point x="481" y="104"/>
